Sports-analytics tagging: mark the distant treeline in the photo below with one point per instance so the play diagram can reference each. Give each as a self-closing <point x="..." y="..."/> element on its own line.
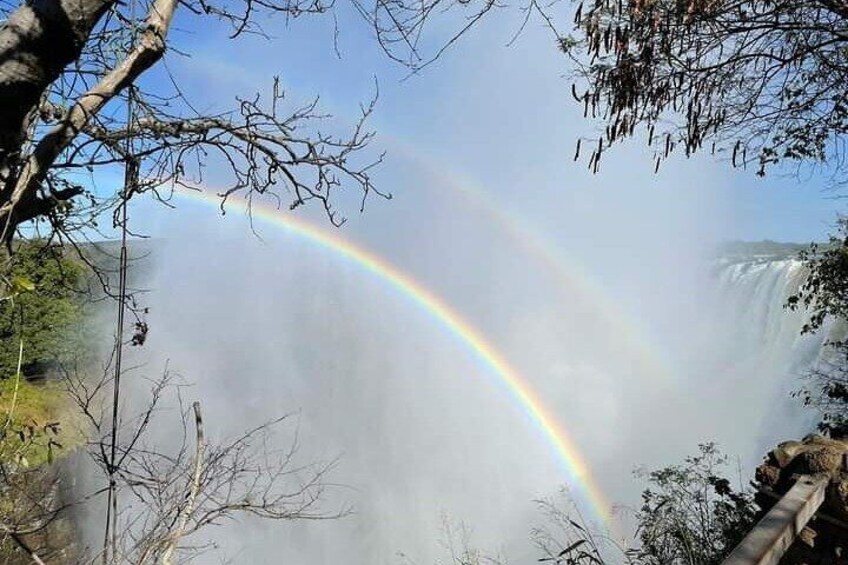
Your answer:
<point x="764" y="248"/>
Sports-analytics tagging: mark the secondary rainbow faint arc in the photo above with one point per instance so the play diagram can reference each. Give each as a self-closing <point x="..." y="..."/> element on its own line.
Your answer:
<point x="569" y="271"/>
<point x="553" y="431"/>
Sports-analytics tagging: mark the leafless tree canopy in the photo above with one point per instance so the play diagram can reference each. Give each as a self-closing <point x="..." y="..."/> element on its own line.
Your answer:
<point x="68" y="67"/>
<point x="173" y="494"/>
<point x="761" y="80"/>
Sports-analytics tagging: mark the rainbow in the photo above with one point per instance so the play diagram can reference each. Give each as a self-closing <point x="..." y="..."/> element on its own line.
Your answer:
<point x="568" y="270"/>
<point x="567" y="452"/>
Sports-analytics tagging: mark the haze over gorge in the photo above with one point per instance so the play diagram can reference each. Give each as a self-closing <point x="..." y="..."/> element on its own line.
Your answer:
<point x="424" y="430"/>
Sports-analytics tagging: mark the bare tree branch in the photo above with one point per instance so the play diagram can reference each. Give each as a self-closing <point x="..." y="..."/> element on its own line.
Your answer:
<point x="193" y="490"/>
<point x="174" y="492"/>
<point x="149" y="49"/>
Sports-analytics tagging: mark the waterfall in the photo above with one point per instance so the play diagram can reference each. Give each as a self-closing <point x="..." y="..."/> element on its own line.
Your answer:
<point x="763" y="355"/>
<point x="756" y="292"/>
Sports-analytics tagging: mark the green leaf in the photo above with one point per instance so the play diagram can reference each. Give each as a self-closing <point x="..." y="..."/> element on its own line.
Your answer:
<point x="21" y="283"/>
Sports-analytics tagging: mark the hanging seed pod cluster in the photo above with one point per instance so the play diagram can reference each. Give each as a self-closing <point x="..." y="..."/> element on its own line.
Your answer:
<point x="759" y="81"/>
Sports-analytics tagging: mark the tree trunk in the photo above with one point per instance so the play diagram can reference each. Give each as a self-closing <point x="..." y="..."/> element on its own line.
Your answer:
<point x="37" y="42"/>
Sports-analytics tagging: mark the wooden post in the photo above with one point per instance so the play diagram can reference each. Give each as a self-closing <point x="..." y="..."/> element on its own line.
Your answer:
<point x="772" y="536"/>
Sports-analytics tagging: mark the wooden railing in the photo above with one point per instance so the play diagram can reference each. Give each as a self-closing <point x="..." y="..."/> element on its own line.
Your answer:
<point x="772" y="536"/>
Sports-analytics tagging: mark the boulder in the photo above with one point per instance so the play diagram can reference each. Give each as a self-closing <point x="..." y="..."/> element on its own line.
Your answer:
<point x="826" y="537"/>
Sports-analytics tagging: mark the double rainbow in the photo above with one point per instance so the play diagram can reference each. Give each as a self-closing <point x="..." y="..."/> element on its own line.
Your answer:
<point x="565" y="449"/>
<point x="569" y="271"/>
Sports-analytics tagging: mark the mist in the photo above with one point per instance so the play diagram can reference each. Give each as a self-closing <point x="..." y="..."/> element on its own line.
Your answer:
<point x="626" y="343"/>
<point x="623" y="325"/>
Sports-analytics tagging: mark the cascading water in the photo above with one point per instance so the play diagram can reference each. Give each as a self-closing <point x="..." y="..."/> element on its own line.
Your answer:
<point x="758" y="289"/>
<point x="763" y="354"/>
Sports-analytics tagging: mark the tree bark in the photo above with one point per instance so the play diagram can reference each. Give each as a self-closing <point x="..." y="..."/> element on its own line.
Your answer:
<point x="20" y="202"/>
<point x="37" y="42"/>
<point x="193" y="490"/>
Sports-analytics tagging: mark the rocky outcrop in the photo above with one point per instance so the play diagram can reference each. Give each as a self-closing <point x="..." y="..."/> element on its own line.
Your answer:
<point x="825" y="539"/>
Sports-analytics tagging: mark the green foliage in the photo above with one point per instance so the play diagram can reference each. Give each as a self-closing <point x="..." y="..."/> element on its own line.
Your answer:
<point x="44" y="307"/>
<point x="37" y="425"/>
<point x="825" y="290"/>
<point x="824" y="294"/>
<point x="827" y="391"/>
<point x="691" y="514"/>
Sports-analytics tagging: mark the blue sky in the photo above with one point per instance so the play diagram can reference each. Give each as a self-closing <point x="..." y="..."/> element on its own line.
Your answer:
<point x="499" y="115"/>
<point x="488" y="131"/>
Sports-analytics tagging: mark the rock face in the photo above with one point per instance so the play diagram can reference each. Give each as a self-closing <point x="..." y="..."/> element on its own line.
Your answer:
<point x="825" y="539"/>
